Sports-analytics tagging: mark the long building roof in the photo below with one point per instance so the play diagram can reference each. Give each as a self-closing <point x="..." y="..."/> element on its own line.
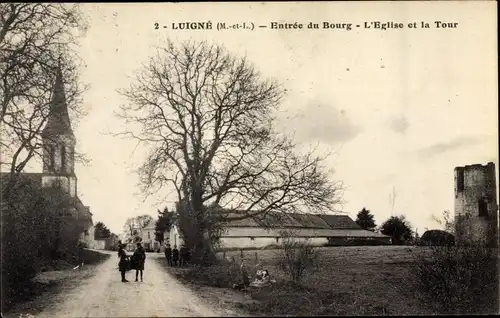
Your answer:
<point x="304" y="232"/>
<point x="302" y="224"/>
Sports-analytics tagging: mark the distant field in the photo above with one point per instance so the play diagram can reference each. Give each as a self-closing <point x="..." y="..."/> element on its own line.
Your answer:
<point x="365" y="280"/>
<point x="362" y="255"/>
<point x="347" y="281"/>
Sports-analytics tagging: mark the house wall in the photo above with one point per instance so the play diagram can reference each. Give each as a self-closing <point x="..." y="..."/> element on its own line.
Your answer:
<point x="88" y="238"/>
<point x="250" y="237"/>
<point x="98" y="244"/>
<point x="111" y="243"/>
<point x="149" y="239"/>
<point x="174" y="237"/>
<point x="259" y="242"/>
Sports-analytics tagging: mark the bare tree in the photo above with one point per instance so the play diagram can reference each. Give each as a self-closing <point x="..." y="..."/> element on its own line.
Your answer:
<point x="143" y="221"/>
<point x="129" y="229"/>
<point x="34" y="38"/>
<point x="208" y="119"/>
<point x="134" y="226"/>
<point x="447" y="222"/>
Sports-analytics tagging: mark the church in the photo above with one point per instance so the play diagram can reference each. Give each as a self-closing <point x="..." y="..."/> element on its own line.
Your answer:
<point x="58" y="158"/>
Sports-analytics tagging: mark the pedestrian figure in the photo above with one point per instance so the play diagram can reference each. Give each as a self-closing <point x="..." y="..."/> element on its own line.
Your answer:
<point x="245" y="280"/>
<point x="140" y="259"/>
<point x="175" y="255"/>
<point x="183" y="253"/>
<point x="244" y="274"/>
<point x="168" y="254"/>
<point x="124" y="262"/>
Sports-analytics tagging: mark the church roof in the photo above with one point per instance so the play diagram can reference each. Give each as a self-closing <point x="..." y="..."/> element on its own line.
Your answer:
<point x="58" y="121"/>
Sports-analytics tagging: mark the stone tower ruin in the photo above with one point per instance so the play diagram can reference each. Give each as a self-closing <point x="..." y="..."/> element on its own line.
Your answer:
<point x="476" y="209"/>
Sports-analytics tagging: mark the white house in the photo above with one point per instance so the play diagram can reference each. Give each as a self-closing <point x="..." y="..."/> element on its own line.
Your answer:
<point x="148" y="238"/>
<point x="262" y="231"/>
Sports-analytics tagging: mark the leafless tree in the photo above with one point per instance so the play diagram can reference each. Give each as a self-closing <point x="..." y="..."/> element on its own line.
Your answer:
<point x="129" y="229"/>
<point x="208" y="119"/>
<point x="34" y="39"/>
<point x="134" y="226"/>
<point x="447" y="222"/>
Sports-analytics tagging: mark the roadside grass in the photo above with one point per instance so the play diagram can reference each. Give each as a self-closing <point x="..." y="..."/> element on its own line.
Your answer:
<point x="54" y="276"/>
<point x="368" y="280"/>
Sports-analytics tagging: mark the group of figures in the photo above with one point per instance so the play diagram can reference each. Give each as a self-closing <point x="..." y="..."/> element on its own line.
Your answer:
<point x="127" y="262"/>
<point x="176" y="257"/>
<point x="262" y="278"/>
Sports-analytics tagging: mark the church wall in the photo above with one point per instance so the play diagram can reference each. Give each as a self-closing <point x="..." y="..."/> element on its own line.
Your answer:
<point x="50" y="180"/>
<point x="57" y="157"/>
<point x="67" y="183"/>
<point x="72" y="186"/>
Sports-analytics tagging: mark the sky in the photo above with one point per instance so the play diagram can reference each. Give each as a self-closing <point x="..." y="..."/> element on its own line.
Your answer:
<point x="400" y="108"/>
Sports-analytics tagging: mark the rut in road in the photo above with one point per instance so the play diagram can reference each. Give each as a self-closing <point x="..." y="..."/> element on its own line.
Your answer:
<point x="104" y="295"/>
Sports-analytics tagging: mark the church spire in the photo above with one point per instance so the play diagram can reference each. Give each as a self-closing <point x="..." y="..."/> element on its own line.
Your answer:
<point x="58" y="122"/>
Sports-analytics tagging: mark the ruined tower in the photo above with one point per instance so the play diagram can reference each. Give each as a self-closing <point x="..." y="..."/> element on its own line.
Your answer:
<point x="59" y="141"/>
<point x="476" y="209"/>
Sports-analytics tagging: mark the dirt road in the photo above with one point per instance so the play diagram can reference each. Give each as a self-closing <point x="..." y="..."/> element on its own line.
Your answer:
<point x="104" y="295"/>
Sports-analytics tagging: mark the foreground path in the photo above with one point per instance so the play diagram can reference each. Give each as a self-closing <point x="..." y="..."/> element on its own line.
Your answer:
<point x="104" y="295"/>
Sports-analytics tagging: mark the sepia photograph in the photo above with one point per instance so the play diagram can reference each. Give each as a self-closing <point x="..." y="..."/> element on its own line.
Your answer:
<point x="250" y="159"/>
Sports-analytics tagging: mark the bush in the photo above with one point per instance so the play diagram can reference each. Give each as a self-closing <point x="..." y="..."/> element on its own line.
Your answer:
<point x="437" y="238"/>
<point x="355" y="242"/>
<point x="296" y="257"/>
<point x="457" y="279"/>
<point x="34" y="229"/>
<point x="220" y="275"/>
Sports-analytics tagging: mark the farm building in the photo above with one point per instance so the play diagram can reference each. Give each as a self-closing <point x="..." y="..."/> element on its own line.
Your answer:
<point x="261" y="231"/>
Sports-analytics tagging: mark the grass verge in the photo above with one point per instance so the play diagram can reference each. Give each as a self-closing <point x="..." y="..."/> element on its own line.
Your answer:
<point x="54" y="277"/>
<point x="347" y="281"/>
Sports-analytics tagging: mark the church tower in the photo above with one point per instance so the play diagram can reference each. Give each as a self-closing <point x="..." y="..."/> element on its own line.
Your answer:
<point x="59" y="141"/>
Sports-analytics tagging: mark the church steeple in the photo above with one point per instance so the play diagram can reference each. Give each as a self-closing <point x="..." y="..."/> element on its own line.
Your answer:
<point x="58" y="122"/>
<point x="58" y="138"/>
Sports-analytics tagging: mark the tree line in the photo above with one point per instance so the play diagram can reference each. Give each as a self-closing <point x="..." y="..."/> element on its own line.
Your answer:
<point x="397" y="227"/>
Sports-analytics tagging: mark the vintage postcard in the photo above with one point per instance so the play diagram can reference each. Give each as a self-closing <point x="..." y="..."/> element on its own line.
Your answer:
<point x="249" y="158"/>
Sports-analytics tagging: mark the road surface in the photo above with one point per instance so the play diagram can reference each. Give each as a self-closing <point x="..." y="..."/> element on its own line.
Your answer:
<point x="104" y="295"/>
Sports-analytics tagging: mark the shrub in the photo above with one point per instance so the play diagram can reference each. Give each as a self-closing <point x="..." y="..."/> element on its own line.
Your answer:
<point x="354" y="242"/>
<point x="437" y="238"/>
<point x="296" y="257"/>
<point x="34" y="229"/>
<point x="221" y="274"/>
<point x="457" y="279"/>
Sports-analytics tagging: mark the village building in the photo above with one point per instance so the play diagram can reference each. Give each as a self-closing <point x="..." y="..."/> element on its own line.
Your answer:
<point x="268" y="230"/>
<point x="146" y="236"/>
<point x="58" y="160"/>
<point x="110" y="243"/>
<point x="476" y="209"/>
